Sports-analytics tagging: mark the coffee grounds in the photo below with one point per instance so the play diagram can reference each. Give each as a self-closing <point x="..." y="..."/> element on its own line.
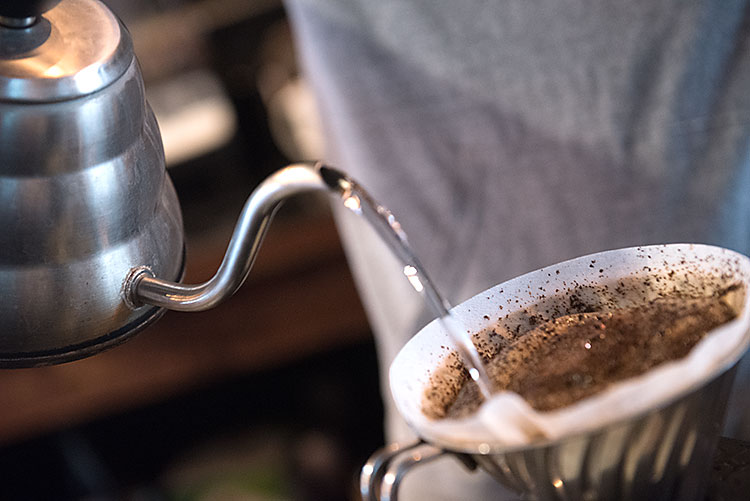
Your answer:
<point x="575" y="356"/>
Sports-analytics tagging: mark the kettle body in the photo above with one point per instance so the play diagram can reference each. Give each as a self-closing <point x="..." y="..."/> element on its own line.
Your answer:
<point x="84" y="192"/>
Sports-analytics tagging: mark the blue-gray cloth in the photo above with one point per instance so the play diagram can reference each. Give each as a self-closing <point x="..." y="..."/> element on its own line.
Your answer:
<point x="509" y="135"/>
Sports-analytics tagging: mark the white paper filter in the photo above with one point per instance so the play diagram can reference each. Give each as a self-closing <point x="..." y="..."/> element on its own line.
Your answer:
<point x="607" y="280"/>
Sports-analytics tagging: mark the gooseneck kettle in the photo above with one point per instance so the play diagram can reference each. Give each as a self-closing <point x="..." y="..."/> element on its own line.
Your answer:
<point x="91" y="236"/>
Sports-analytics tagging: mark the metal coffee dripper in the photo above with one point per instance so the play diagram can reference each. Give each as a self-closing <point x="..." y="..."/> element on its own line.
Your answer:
<point x="657" y="446"/>
<point x="92" y="245"/>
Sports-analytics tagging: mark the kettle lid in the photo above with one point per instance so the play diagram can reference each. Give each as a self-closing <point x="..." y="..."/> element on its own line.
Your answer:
<point x="75" y="48"/>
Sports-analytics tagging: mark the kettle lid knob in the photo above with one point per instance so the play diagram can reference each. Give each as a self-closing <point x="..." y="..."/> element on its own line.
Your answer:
<point x="22" y="13"/>
<point x="74" y="49"/>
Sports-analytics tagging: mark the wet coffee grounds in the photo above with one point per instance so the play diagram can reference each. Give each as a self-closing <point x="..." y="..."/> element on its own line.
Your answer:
<point x="572" y="357"/>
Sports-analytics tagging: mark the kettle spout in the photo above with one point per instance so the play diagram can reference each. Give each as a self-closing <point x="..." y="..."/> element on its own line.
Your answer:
<point x="142" y="287"/>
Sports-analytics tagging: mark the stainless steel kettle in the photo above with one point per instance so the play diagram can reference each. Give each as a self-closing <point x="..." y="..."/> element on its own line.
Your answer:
<point x="91" y="238"/>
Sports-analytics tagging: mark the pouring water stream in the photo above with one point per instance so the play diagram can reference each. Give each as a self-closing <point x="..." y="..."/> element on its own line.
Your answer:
<point x="356" y="199"/>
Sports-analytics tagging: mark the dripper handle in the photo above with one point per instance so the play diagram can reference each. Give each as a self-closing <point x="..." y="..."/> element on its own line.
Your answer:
<point x="381" y="476"/>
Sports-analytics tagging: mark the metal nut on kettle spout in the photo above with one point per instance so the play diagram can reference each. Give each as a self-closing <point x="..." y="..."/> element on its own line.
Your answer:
<point x="130" y="285"/>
